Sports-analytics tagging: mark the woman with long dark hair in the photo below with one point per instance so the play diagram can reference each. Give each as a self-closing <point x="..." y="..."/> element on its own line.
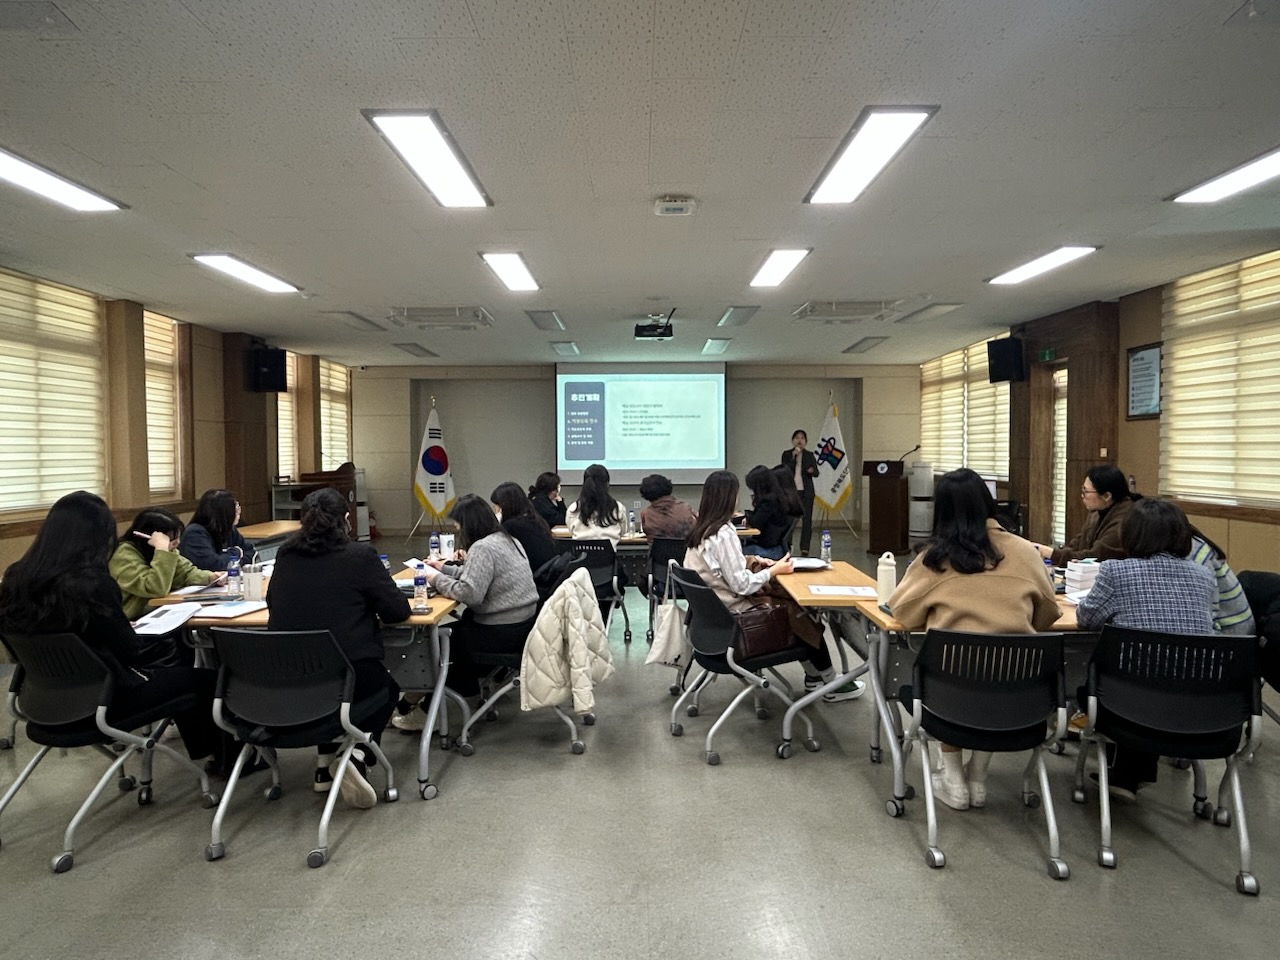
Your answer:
<point x="546" y="499"/>
<point x="714" y="552"/>
<point x="323" y="580"/>
<point x="146" y="562"/>
<point x="1107" y="497"/>
<point x="519" y="518"/>
<point x="62" y="585"/>
<point x="972" y="575"/>
<point x="596" y="515"/>
<point x="770" y="513"/>
<point x="211" y="538"/>
<point x="496" y="584"/>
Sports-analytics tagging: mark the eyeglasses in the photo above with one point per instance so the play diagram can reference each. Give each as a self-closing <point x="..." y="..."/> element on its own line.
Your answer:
<point x="1085" y="491"/>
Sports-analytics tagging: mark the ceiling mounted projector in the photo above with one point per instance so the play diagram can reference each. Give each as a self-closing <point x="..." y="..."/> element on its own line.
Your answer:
<point x="656" y="327"/>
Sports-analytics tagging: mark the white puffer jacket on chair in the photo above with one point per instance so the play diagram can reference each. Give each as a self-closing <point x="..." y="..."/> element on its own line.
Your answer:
<point x="567" y="651"/>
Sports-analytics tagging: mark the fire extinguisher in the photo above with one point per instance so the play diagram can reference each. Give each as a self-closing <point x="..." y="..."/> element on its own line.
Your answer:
<point x="373" y="525"/>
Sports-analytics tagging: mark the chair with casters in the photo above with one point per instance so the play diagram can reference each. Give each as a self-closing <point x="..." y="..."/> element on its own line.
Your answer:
<point x="994" y="692"/>
<point x="602" y="564"/>
<point x="281" y="690"/>
<point x="714" y="634"/>
<point x="1192" y="697"/>
<point x="1262" y="590"/>
<point x="573" y="603"/>
<point x="661" y="552"/>
<point x="1009" y="516"/>
<point x="66" y="695"/>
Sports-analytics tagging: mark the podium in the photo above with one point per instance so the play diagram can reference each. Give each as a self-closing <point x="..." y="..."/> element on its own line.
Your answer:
<point x="889" y="506"/>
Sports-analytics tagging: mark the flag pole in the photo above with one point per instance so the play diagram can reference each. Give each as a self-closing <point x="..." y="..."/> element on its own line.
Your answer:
<point x="826" y="513"/>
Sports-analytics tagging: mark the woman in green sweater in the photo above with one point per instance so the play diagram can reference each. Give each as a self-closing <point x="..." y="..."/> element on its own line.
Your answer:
<point x="146" y="563"/>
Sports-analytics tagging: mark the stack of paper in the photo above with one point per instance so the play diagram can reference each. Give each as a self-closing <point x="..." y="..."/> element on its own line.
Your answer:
<point x="1080" y="575"/>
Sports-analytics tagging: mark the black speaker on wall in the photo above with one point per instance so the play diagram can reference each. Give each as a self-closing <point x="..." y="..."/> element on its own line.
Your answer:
<point x="267" y="370"/>
<point x="1004" y="360"/>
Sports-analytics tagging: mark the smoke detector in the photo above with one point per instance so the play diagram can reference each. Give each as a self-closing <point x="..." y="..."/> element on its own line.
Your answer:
<point x="675" y="206"/>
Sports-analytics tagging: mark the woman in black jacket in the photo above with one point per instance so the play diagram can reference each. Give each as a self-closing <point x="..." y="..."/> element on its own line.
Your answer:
<point x="211" y="538"/>
<point x="546" y="499"/>
<point x="802" y="466"/>
<point x="516" y="513"/>
<point x="62" y="585"/>
<point x="770" y="514"/>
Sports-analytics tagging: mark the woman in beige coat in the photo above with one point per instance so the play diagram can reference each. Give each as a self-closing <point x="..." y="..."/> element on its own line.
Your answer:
<point x="972" y="575"/>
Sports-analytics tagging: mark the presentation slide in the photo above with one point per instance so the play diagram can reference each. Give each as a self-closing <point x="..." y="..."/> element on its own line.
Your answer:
<point x="637" y="423"/>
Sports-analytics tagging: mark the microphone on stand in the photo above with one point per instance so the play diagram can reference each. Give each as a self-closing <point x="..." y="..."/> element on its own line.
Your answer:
<point x="909" y="452"/>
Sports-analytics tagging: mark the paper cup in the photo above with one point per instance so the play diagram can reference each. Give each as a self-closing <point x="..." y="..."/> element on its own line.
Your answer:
<point x="255" y="586"/>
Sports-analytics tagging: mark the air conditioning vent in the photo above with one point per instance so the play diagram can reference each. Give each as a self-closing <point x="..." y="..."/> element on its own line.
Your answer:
<point x="440" y="318"/>
<point x="846" y="311"/>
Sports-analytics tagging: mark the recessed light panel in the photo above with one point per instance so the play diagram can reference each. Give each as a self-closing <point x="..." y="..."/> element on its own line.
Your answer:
<point x="1234" y="181"/>
<point x="1043" y="264"/>
<point x="416" y="349"/>
<point x="865" y="344"/>
<point x="876" y="138"/>
<point x="715" y="345"/>
<point x="565" y="348"/>
<point x="246" y="273"/>
<point x="545" y="319"/>
<point x="511" y="270"/>
<point x="421" y="140"/>
<point x="778" y="267"/>
<point x="932" y="312"/>
<point x="736" y="316"/>
<point x="24" y="174"/>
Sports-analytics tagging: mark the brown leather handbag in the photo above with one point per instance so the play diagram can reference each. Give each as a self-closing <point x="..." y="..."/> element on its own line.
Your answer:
<point x="765" y="629"/>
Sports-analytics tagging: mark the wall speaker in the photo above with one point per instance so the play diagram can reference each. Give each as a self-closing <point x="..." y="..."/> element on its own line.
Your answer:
<point x="267" y="370"/>
<point x="1004" y="360"/>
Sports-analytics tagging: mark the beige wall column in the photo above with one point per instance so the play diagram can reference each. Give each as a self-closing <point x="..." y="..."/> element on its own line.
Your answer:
<point x="129" y="485"/>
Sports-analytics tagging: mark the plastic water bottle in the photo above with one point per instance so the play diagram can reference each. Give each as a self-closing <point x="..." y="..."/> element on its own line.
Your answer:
<point x="434" y="545"/>
<point x="386" y="564"/>
<point x="631" y="521"/>
<point x="886" y="577"/>
<point x="235" y="582"/>
<point x="420" y="604"/>
<point x="826" y="546"/>
<point x="1048" y="567"/>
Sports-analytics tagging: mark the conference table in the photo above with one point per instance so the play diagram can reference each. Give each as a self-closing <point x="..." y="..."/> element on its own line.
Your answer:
<point x="268" y="537"/>
<point x="888" y="657"/>
<point x="403" y="659"/>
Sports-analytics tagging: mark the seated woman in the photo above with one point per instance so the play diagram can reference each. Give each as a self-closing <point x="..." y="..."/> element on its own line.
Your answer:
<point x="325" y="581"/>
<point x="596" y="515"/>
<point x="519" y="518"/>
<point x="1231" y="613"/>
<point x="714" y="552"/>
<point x="1156" y="588"/>
<point x="546" y="499"/>
<point x="146" y="563"/>
<point x="211" y="538"/>
<point x="62" y="584"/>
<point x="972" y="575"/>
<point x="770" y="513"/>
<point x="495" y="583"/>
<point x="1107" y="497"/>
<point x="666" y="515"/>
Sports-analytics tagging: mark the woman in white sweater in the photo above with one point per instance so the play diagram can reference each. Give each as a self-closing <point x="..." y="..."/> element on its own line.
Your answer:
<point x="596" y="515"/>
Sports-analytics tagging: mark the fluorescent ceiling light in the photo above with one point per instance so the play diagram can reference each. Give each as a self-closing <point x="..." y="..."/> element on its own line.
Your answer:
<point x="545" y="319"/>
<point x="736" y="316"/>
<point x="416" y="349"/>
<point x="566" y="348"/>
<point x="511" y="270"/>
<point x="714" y="345"/>
<point x="876" y="138"/>
<point x="235" y="267"/>
<point x="23" y="173"/>
<point x="1234" y="181"/>
<point x="865" y="344"/>
<point x="932" y="312"/>
<point x="778" y="267"/>
<point x="1042" y="264"/>
<point x="421" y="140"/>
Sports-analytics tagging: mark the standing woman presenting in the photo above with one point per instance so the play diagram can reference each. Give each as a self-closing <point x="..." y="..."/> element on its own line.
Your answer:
<point x="802" y="465"/>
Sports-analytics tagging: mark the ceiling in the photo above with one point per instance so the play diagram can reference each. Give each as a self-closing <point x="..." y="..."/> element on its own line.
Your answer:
<point x="235" y="126"/>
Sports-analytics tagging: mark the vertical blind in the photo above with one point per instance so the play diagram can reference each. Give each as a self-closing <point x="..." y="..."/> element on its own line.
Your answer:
<point x="964" y="419"/>
<point x="1059" y="532"/>
<point x="51" y="385"/>
<point x="160" y="335"/>
<point x="335" y="414"/>
<point x="286" y="423"/>
<point x="1220" y="403"/>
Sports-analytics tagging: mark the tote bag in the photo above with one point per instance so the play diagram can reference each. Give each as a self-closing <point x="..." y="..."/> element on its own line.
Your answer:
<point x="671" y="647"/>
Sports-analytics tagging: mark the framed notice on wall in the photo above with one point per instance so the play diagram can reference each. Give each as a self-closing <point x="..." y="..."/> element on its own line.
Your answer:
<point x="1144" y="382"/>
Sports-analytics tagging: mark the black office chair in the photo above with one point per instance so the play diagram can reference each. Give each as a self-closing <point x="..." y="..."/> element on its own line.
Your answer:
<point x="66" y="696"/>
<point x="1009" y="515"/>
<point x="662" y="550"/>
<point x="286" y="689"/>
<point x="992" y="692"/>
<point x="1175" y="696"/>
<point x="713" y="634"/>
<point x="602" y="564"/>
<point x="1262" y="590"/>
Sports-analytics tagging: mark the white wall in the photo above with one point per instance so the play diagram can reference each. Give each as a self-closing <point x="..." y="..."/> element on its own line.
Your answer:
<point x="499" y="424"/>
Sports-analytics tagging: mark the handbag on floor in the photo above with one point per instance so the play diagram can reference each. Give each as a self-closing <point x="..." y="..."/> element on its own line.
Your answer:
<point x="671" y="647"/>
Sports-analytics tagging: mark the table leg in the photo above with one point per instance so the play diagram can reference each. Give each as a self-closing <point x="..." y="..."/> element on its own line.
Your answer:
<point x="878" y="644"/>
<point x="440" y="652"/>
<point x="812" y="696"/>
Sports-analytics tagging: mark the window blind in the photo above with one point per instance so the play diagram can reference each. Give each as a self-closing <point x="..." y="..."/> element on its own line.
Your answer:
<point x="286" y="423"/>
<point x="51" y="388"/>
<point x="942" y="412"/>
<point x="964" y="420"/>
<point x="1060" y="493"/>
<point x="1220" y="409"/>
<point x="335" y="414"/>
<point x="160" y="335"/>
<point x="986" y="417"/>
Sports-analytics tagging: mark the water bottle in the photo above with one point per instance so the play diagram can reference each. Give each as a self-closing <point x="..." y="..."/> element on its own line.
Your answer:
<point x="886" y="576"/>
<point x="235" y="587"/>
<point x="386" y="564"/>
<point x="434" y="545"/>
<point x="1048" y="567"/>
<point x="826" y="546"/>
<point x="420" y="587"/>
<point x="631" y="521"/>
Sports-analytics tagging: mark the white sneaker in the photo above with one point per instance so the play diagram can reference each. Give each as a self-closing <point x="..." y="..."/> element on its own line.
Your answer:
<point x="977" y="793"/>
<point x="356" y="789"/>
<point x="954" y="795"/>
<point x="414" y="720"/>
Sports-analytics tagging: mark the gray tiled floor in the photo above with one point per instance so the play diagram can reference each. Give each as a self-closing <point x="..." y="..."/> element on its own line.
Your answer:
<point x="635" y="849"/>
